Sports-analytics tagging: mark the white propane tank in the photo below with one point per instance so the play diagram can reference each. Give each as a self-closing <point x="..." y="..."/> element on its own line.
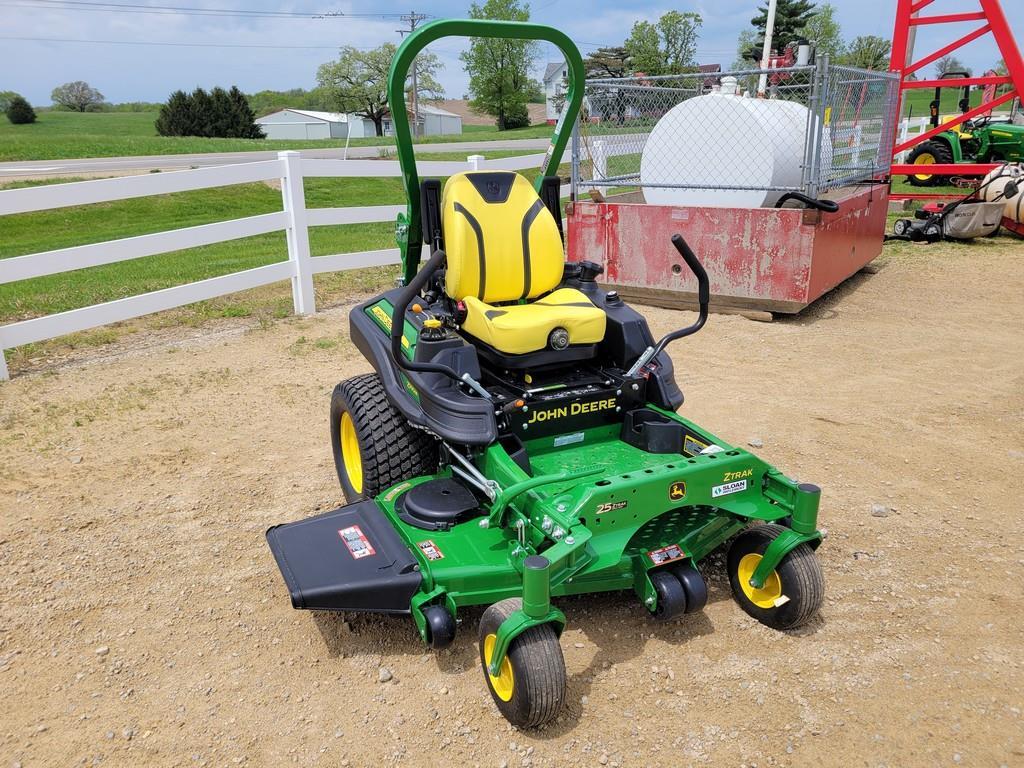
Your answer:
<point x="994" y="184"/>
<point x="726" y="141"/>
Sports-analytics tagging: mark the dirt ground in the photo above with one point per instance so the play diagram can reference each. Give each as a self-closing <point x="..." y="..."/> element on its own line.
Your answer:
<point x="143" y="620"/>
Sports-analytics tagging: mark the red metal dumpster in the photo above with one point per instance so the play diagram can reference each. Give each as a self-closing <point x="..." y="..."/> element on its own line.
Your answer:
<point x="775" y="259"/>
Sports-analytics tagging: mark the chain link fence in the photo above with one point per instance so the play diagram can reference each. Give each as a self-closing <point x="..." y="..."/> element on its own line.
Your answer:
<point x="701" y="138"/>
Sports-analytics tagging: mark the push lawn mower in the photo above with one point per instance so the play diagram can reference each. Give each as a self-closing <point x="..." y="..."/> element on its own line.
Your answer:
<point x="974" y="215"/>
<point x="519" y="439"/>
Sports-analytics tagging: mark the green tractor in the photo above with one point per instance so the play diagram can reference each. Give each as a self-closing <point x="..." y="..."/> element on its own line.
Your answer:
<point x="984" y="140"/>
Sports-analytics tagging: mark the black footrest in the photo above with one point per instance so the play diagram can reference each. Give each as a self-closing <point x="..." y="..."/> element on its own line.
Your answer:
<point x="350" y="559"/>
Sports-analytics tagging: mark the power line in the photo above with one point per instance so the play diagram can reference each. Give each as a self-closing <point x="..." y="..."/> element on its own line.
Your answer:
<point x="108" y="7"/>
<point x="181" y="45"/>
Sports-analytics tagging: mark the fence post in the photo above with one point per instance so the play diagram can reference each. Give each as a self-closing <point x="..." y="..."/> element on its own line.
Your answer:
<point x="599" y="159"/>
<point x="294" y="198"/>
<point x="474" y="162"/>
<point x="4" y="373"/>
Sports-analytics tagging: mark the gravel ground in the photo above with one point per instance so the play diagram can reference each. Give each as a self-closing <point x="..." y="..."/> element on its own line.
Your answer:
<point x="143" y="621"/>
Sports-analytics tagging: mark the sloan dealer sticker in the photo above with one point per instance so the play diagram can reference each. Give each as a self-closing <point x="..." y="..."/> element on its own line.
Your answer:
<point x="726" y="488"/>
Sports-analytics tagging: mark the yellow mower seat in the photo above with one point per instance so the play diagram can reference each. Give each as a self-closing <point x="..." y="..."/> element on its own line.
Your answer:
<point x="504" y="248"/>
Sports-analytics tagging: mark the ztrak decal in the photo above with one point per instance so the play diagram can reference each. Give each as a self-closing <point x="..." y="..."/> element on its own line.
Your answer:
<point x="573" y="409"/>
<point x="666" y="554"/>
<point x="430" y="550"/>
<point x="575" y="437"/>
<point x="358" y="545"/>
<point x="692" y="446"/>
<point x="677" y="490"/>
<point x="738" y="475"/>
<point x="727" y="488"/>
<point x="611" y="506"/>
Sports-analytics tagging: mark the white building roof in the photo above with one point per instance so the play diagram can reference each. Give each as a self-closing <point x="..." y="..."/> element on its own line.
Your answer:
<point x="327" y="117"/>
<point x="428" y="109"/>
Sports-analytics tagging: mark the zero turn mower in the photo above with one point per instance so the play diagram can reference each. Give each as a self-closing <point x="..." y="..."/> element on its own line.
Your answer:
<point x="519" y="441"/>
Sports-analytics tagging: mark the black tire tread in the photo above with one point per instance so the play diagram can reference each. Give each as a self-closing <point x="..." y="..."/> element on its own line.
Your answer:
<point x="942" y="153"/>
<point x="537" y="664"/>
<point x="799" y="570"/>
<point x="392" y="450"/>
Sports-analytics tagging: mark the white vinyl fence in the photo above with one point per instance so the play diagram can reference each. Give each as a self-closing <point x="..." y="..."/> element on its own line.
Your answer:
<point x="294" y="218"/>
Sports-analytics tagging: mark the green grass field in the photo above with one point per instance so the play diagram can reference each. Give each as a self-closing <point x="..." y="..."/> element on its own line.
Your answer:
<point x="70" y="135"/>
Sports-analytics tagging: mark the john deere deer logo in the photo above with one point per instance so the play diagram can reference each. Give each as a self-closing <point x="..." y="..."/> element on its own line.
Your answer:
<point x="677" y="490"/>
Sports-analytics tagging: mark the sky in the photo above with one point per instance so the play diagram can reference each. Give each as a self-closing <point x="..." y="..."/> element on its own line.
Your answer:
<point x="139" y="56"/>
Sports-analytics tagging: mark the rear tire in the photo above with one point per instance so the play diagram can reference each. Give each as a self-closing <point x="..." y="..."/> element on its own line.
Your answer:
<point x="793" y="592"/>
<point x="374" y="446"/>
<point x="530" y="687"/>
<point x="928" y="153"/>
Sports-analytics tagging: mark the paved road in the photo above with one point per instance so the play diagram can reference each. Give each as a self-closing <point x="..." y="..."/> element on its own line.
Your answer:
<point x="166" y="162"/>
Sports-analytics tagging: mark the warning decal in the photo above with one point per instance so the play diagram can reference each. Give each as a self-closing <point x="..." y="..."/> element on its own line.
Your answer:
<point x="692" y="445"/>
<point x="358" y="545"/>
<point x="430" y="550"/>
<point x="666" y="554"/>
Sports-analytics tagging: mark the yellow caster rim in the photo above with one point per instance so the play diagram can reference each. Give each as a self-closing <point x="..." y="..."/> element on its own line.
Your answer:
<point x="771" y="591"/>
<point x="350" y="453"/>
<point x="504" y="683"/>
<point x="925" y="158"/>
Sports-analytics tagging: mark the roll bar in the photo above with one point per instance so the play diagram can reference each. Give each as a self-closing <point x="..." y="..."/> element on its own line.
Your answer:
<point x="407" y="231"/>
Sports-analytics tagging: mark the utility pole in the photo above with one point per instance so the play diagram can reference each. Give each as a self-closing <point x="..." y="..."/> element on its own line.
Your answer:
<point x="766" y="52"/>
<point x="412" y="19"/>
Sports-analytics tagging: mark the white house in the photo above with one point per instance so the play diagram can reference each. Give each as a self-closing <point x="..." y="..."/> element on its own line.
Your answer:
<point x="308" y="124"/>
<point x="554" y="86"/>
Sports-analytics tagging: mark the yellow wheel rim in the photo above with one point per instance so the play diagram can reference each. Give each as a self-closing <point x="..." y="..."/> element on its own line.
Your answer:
<point x="504" y="683"/>
<point x="925" y="158"/>
<point x="350" y="453"/>
<point x="766" y="596"/>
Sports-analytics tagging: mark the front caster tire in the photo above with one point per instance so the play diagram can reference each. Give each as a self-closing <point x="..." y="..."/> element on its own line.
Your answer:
<point x="529" y="689"/>
<point x="791" y="595"/>
<point x="440" y="627"/>
<point x="671" y="596"/>
<point x="374" y="446"/>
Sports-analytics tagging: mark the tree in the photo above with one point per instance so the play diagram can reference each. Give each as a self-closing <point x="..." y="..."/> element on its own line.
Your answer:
<point x="498" y="68"/>
<point x="19" y="111"/>
<point x="220" y="114"/>
<point x="357" y="82"/>
<point x="746" y="43"/>
<point x="644" y="49"/>
<point x="999" y="68"/>
<point x="867" y="52"/>
<point x="791" y="16"/>
<point x="822" y="31"/>
<point x="78" y="96"/>
<point x="428" y="67"/>
<point x="950" y="64"/>
<point x="5" y="99"/>
<point x="679" y="33"/>
<point x="612" y="61"/>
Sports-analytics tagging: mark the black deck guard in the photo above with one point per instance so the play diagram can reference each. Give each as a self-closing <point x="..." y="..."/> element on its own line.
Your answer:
<point x="350" y="559"/>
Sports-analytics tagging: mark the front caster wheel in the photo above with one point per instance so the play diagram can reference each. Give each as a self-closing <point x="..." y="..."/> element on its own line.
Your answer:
<point x="440" y="627"/>
<point x="791" y="594"/>
<point x="530" y="685"/>
<point x="671" y="596"/>
<point x="694" y="586"/>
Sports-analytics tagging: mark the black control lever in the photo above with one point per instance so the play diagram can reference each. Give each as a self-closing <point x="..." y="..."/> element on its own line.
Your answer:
<point x="703" y="300"/>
